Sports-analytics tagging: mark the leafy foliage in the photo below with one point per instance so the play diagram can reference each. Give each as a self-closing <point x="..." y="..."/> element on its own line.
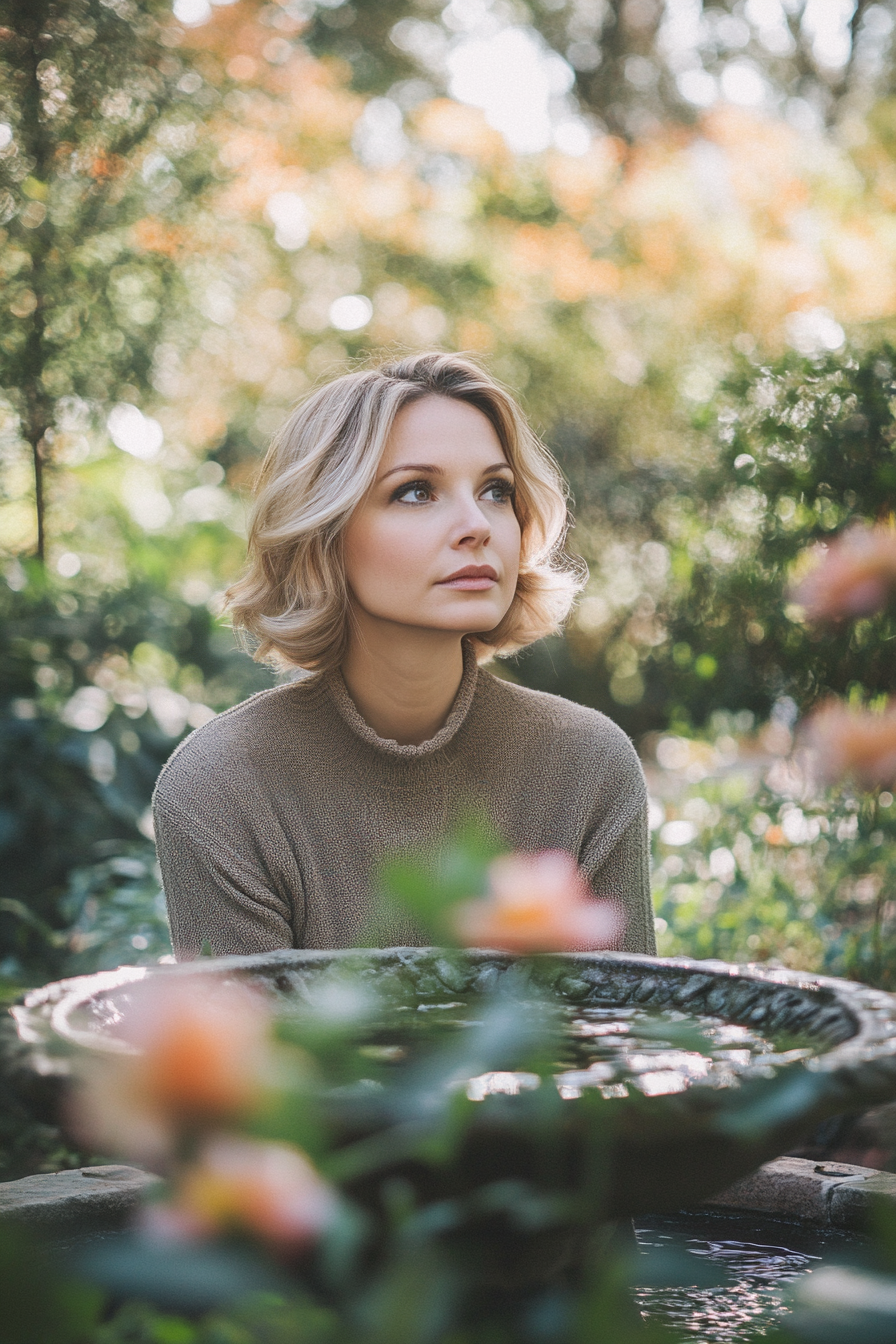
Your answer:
<point x="89" y="90"/>
<point x="115" y="910"/>
<point x="47" y="1307"/>
<point x="631" y="62"/>
<point x="806" y="447"/>
<point x="753" y="863"/>
<point x="688" y="610"/>
<point x="426" y="887"/>
<point x="95" y="689"/>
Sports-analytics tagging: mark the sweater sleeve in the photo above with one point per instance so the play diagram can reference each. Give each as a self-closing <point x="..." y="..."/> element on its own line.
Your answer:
<point x="623" y="876"/>
<point x="214" y="895"/>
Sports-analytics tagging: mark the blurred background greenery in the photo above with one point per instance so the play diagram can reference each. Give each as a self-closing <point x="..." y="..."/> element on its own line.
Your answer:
<point x="668" y="224"/>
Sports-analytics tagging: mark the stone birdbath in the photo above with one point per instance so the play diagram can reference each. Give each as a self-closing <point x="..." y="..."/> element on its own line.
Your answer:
<point x="681" y="1076"/>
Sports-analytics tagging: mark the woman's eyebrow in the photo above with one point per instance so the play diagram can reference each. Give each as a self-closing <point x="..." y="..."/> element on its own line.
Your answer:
<point x="430" y="470"/>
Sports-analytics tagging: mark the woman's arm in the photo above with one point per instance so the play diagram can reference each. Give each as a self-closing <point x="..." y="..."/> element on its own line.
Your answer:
<point x="620" y="872"/>
<point x="214" y="896"/>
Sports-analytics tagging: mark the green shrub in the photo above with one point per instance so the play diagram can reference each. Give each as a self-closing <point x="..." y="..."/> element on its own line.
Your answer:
<point x="96" y="689"/>
<point x="753" y="863"/>
<point x="687" y="611"/>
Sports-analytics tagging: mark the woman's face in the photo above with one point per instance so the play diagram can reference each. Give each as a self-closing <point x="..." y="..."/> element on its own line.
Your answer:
<point x="435" y="543"/>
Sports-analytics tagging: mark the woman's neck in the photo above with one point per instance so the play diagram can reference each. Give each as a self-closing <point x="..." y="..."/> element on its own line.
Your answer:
<point x="404" y="681"/>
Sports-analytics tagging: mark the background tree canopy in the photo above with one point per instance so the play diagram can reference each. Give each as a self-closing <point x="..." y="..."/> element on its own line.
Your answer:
<point x="667" y="226"/>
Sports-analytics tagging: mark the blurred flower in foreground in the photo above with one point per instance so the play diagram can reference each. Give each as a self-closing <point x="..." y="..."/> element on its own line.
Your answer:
<point x="198" y="1055"/>
<point x="538" y="903"/>
<point x="270" y="1190"/>
<point x="856" y="742"/>
<point x="855" y="575"/>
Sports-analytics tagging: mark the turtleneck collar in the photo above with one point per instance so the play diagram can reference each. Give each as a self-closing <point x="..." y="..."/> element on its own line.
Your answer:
<point x="338" y="691"/>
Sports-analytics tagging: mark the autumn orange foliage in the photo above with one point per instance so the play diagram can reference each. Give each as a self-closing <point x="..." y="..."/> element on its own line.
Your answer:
<point x="154" y="235"/>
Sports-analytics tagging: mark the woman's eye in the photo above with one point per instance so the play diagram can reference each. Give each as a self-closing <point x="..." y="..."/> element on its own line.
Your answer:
<point x="498" y="491"/>
<point x="416" y="492"/>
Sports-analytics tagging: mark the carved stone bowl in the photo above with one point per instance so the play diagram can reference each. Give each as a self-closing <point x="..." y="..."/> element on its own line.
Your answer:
<point x="654" y="1152"/>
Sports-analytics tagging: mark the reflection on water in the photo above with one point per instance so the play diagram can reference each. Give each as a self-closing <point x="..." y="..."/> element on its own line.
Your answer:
<point x="657" y="1051"/>
<point x="756" y="1260"/>
<point x="493" y="1084"/>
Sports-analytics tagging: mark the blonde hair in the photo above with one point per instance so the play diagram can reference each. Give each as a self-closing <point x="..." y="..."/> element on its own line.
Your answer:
<point x="294" y="598"/>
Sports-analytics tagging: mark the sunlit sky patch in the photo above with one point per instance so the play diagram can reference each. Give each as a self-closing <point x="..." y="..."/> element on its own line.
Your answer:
<point x="513" y="79"/>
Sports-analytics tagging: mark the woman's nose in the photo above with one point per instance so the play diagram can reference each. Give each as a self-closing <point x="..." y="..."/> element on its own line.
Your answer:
<point x="472" y="526"/>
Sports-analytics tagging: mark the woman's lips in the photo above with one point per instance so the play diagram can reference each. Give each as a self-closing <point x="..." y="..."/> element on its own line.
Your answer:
<point x="473" y="579"/>
<point x="469" y="585"/>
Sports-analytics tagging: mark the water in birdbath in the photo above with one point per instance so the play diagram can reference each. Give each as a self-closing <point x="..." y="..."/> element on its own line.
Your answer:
<point x="656" y="1051"/>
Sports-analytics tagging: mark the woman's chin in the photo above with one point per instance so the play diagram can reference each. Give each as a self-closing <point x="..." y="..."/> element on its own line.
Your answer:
<point x="473" y="623"/>
<point x="476" y="611"/>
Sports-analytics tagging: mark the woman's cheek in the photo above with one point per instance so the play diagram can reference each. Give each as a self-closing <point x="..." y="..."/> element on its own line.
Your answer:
<point x="408" y="547"/>
<point x="392" y="568"/>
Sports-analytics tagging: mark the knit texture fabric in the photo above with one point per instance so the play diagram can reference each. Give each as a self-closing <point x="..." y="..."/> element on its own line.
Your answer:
<point x="272" y="818"/>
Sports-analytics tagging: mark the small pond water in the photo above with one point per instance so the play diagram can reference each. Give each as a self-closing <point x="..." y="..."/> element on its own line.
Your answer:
<point x="753" y="1260"/>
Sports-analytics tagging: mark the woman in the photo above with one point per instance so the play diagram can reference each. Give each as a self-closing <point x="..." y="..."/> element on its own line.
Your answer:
<point x="408" y="527"/>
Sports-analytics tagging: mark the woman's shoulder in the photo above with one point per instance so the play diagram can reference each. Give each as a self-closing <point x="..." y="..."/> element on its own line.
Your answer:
<point x="574" y="728"/>
<point x="221" y="749"/>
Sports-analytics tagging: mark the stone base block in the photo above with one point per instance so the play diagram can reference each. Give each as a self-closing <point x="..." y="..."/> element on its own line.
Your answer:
<point x="85" y="1199"/>
<point x="832" y="1194"/>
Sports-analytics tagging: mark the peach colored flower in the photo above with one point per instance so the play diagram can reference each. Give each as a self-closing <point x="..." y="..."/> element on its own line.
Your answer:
<point x="856" y="742"/>
<point x="268" y="1189"/>
<point x="855" y="576"/>
<point x="538" y="903"/>
<point x="198" y="1055"/>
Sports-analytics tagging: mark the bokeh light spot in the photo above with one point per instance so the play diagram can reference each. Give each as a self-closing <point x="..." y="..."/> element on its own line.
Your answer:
<point x="133" y="432"/>
<point x="289" y="215"/>
<point x="351" y="312"/>
<point x="192" y="12"/>
<point x="68" y="565"/>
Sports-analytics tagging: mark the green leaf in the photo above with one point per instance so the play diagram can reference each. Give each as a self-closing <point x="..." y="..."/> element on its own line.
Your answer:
<point x="426" y="886"/>
<point x="41" y="1303"/>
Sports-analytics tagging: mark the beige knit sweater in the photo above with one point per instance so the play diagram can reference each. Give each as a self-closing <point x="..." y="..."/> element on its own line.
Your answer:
<point x="271" y="818"/>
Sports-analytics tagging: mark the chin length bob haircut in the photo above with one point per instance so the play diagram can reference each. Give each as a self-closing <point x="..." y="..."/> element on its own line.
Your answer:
<point x="294" y="599"/>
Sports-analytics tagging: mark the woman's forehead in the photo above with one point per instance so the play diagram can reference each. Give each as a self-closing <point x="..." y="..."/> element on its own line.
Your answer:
<point x="443" y="428"/>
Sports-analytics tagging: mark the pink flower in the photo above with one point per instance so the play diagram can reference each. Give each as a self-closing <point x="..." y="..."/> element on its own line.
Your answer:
<point x="538" y="903"/>
<point x="268" y="1189"/>
<point x="192" y="1056"/>
<point x="855" y="742"/>
<point x="855" y="576"/>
